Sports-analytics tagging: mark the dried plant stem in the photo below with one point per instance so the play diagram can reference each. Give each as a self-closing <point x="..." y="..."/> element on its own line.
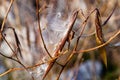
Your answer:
<point x="105" y="22"/>
<point x="63" y="67"/>
<point x="8" y="57"/>
<point x="9" y="46"/>
<point x="17" y="17"/>
<point x="104" y="44"/>
<point x="38" y="17"/>
<point x="81" y="51"/>
<point x="2" y="28"/>
<point x="14" y="69"/>
<point x="62" y="43"/>
<point x="17" y="42"/>
<point x="72" y="53"/>
<point x="29" y="67"/>
<point x="83" y="28"/>
<point x="75" y="48"/>
<point x="7" y="43"/>
<point x="60" y="46"/>
<point x="110" y="14"/>
<point x="8" y="10"/>
<point x="10" y="70"/>
<point x="17" y="60"/>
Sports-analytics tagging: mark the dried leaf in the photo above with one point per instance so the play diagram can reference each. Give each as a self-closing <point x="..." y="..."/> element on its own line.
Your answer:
<point x="99" y="37"/>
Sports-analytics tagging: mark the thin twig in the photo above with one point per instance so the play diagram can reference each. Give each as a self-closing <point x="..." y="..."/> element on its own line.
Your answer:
<point x="63" y="67"/>
<point x="75" y="52"/>
<point x="110" y="14"/>
<point x="13" y="53"/>
<point x="8" y="10"/>
<point x="83" y="28"/>
<point x="29" y="67"/>
<point x="104" y="44"/>
<point x="38" y="19"/>
<point x="10" y="70"/>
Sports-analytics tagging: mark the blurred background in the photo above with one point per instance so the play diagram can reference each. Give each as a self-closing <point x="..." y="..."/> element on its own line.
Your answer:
<point x="55" y="15"/>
